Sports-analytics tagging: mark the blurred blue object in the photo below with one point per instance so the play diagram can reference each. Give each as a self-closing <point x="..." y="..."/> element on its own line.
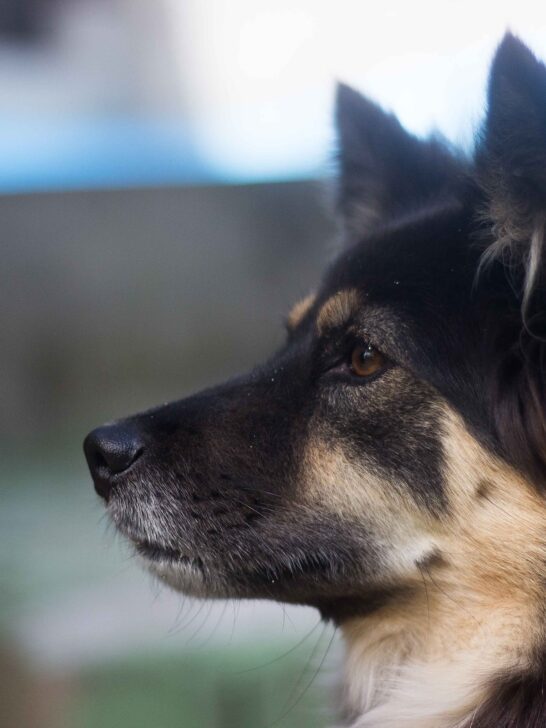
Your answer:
<point x="117" y="94"/>
<point x="116" y="151"/>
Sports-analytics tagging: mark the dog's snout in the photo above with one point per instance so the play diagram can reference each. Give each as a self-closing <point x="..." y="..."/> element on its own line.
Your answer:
<point x="111" y="450"/>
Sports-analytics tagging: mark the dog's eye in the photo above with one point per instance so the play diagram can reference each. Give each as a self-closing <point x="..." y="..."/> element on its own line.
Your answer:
<point x="366" y="360"/>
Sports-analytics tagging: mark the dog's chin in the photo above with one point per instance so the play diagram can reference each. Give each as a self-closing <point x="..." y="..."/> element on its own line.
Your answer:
<point x="182" y="576"/>
<point x="181" y="572"/>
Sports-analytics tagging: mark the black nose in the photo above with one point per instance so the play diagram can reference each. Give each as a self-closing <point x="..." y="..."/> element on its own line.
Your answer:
<point x="110" y="451"/>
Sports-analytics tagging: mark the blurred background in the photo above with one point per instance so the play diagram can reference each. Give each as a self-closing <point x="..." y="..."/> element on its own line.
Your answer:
<point x="164" y="171"/>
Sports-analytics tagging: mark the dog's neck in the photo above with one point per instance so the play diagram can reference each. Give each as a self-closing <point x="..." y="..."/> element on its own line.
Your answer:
<point x="433" y="663"/>
<point x="464" y="647"/>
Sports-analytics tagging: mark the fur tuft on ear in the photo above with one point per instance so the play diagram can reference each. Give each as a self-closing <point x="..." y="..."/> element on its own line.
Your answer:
<point x="511" y="162"/>
<point x="384" y="172"/>
<point x="511" y="171"/>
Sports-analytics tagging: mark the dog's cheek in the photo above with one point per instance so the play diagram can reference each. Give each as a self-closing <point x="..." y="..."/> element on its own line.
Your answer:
<point x="391" y="427"/>
<point x="399" y="534"/>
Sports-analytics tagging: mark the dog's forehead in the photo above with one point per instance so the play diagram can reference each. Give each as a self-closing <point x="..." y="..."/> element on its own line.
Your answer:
<point x="406" y="289"/>
<point x="402" y="288"/>
<point x="425" y="257"/>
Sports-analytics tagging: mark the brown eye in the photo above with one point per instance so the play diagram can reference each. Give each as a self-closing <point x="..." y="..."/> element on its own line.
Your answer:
<point x="366" y="361"/>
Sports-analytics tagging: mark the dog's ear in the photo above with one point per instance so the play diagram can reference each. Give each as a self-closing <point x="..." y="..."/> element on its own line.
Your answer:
<point x="511" y="160"/>
<point x="383" y="170"/>
<point x="511" y="169"/>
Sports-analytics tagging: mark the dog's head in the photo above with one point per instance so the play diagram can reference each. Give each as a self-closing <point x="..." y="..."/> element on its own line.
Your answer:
<point x="411" y="379"/>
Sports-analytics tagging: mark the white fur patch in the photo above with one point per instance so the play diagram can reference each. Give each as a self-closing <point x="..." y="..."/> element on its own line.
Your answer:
<point x="184" y="577"/>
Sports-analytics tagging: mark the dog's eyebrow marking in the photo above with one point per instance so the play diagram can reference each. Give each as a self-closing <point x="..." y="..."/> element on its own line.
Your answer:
<point x="299" y="311"/>
<point x="337" y="310"/>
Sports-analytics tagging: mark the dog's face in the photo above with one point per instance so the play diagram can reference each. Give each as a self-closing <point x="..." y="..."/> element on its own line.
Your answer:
<point x="325" y="477"/>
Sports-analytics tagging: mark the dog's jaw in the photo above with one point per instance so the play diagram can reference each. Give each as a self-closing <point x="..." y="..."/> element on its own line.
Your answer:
<point x="185" y="576"/>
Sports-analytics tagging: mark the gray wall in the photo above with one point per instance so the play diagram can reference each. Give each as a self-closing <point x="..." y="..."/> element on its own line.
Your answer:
<point x="117" y="300"/>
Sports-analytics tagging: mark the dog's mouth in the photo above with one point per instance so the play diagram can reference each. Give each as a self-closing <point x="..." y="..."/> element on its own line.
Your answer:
<point x="163" y="554"/>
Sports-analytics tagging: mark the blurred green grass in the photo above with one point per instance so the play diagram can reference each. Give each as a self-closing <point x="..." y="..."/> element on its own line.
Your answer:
<point x="216" y="689"/>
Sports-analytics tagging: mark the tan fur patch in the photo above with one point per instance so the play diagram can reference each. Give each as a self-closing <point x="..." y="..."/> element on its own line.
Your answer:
<point x="331" y="482"/>
<point x="299" y="311"/>
<point x="425" y="663"/>
<point x="337" y="310"/>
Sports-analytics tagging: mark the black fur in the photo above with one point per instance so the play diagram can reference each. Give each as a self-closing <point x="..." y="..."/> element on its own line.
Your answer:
<point x="515" y="701"/>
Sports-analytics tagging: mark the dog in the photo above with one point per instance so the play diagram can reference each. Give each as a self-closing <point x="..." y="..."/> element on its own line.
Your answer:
<point x="387" y="466"/>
